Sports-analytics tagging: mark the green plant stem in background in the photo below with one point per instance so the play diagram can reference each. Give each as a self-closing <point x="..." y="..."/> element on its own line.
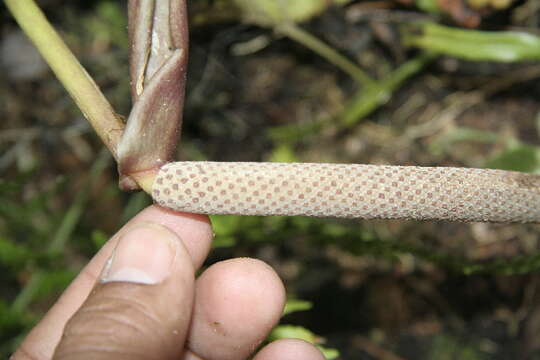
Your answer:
<point x="298" y="34"/>
<point x="367" y="100"/>
<point x="501" y="46"/>
<point x="75" y="211"/>
<point x="62" y="235"/>
<point x="26" y="296"/>
<point x="69" y="71"/>
<point x="374" y="96"/>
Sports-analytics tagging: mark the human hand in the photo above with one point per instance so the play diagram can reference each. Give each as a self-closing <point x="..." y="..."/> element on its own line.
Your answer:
<point x="145" y="303"/>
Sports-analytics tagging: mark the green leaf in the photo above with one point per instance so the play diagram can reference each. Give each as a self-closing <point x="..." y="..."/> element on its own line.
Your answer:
<point x="520" y="157"/>
<point x="99" y="238"/>
<point x="459" y="134"/>
<point x="13" y="255"/>
<point x="430" y="6"/>
<point x="292" y="332"/>
<point x="8" y="187"/>
<point x="229" y="229"/>
<point x="274" y="12"/>
<point x="294" y="305"/>
<point x="299" y="332"/>
<point x="501" y="46"/>
<point x="107" y="24"/>
<point x="41" y="285"/>
<point x="13" y="328"/>
<point x="225" y="226"/>
<point x="12" y="320"/>
<point x="54" y="282"/>
<point x="283" y="153"/>
<point x="329" y="353"/>
<point x="447" y="347"/>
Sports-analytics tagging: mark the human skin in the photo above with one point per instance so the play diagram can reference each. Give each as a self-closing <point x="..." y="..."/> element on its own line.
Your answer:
<point x="223" y="314"/>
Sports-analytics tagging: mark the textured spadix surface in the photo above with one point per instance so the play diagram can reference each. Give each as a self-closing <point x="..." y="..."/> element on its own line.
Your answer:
<point x="351" y="191"/>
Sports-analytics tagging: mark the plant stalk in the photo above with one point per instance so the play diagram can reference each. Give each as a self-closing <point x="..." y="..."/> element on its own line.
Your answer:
<point x="298" y="34"/>
<point x="69" y="71"/>
<point x="80" y="86"/>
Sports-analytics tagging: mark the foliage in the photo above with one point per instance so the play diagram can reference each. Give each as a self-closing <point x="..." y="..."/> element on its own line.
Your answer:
<point x="274" y="12"/>
<point x="237" y="230"/>
<point x="32" y="260"/>
<point x="514" y="154"/>
<point x="108" y="25"/>
<point x="362" y="104"/>
<point x="299" y="332"/>
<point x="446" y="347"/>
<point x="503" y="46"/>
<point x="430" y="6"/>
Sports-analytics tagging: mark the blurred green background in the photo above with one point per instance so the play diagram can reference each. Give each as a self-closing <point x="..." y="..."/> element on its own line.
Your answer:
<point x="381" y="82"/>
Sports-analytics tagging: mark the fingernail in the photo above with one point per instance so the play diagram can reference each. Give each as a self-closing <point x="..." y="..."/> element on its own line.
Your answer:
<point x="144" y="255"/>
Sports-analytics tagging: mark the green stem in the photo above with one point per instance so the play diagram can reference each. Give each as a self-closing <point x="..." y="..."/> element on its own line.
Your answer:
<point x="501" y="46"/>
<point x="62" y="234"/>
<point x="298" y="34"/>
<point x="28" y="293"/>
<point x="69" y="71"/>
<point x="73" y="214"/>
<point x="369" y="99"/>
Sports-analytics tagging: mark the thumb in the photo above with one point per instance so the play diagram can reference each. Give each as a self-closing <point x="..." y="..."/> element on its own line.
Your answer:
<point x="141" y="306"/>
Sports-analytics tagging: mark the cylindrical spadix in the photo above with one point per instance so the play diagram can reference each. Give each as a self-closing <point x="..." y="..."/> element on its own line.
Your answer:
<point x="349" y="191"/>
